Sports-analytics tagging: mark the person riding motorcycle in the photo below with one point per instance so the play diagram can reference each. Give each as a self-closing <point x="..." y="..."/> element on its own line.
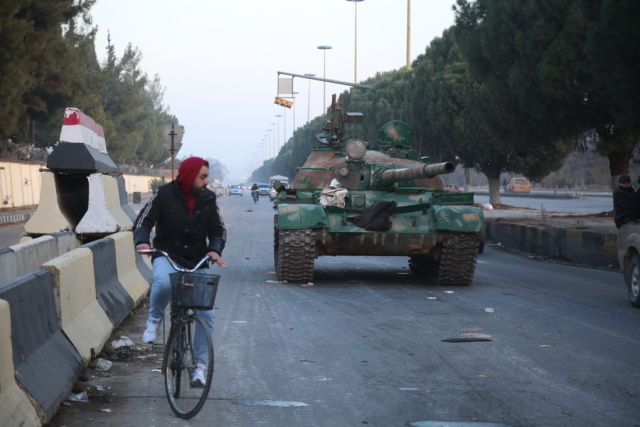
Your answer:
<point x="255" y="191"/>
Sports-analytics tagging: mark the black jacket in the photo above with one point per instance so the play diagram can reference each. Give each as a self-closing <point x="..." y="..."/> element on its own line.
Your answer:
<point x="180" y="234"/>
<point x="625" y="205"/>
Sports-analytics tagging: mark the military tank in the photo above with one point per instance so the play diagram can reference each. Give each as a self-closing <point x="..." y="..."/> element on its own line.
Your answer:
<point x="349" y="200"/>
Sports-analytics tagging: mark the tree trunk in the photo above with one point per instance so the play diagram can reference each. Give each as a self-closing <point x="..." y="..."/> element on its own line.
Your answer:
<point x="618" y="166"/>
<point x="491" y="169"/>
<point x="494" y="191"/>
<point x="467" y="178"/>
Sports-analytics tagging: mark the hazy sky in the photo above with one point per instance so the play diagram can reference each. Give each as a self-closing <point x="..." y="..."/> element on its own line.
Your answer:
<point x="218" y="60"/>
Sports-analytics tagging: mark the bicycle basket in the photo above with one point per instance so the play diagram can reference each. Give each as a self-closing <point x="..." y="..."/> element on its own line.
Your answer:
<point x="194" y="290"/>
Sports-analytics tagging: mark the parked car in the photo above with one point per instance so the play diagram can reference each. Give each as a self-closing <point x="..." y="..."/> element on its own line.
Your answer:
<point x="519" y="185"/>
<point x="235" y="190"/>
<point x="263" y="189"/>
<point x="628" y="245"/>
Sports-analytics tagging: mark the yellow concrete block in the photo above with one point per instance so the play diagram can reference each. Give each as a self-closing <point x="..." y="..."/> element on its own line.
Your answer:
<point x="15" y="407"/>
<point x="128" y="273"/>
<point x="47" y="218"/>
<point x="81" y="317"/>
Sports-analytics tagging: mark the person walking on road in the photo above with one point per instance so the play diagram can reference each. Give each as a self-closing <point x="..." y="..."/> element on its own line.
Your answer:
<point x="625" y="203"/>
<point x="188" y="226"/>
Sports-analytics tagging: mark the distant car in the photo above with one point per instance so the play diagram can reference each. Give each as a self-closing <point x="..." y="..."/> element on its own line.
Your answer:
<point x="519" y="185"/>
<point x="263" y="189"/>
<point x="235" y="190"/>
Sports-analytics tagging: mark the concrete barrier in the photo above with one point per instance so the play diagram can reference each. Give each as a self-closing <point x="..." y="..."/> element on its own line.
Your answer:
<point x="15" y="406"/>
<point x="7" y="264"/>
<point x="573" y="245"/>
<point x="111" y="294"/>
<point x="48" y="218"/>
<point x="104" y="214"/>
<point x="124" y="200"/>
<point x="81" y="317"/>
<point x="46" y="364"/>
<point x="30" y="253"/>
<point x="128" y="274"/>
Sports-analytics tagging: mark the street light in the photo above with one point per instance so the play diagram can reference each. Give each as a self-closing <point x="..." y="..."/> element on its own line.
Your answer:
<point x="268" y="130"/>
<point x="278" y="140"/>
<point x="274" y="132"/>
<point x="324" y="93"/>
<point x="408" y="34"/>
<point x="293" y="128"/>
<point x="309" y="96"/>
<point x="355" y="56"/>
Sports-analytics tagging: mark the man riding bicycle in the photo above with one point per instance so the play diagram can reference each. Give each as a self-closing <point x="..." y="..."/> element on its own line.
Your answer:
<point x="188" y="226"/>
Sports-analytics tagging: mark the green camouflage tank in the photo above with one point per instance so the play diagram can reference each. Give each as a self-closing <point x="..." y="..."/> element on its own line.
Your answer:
<point x="349" y="200"/>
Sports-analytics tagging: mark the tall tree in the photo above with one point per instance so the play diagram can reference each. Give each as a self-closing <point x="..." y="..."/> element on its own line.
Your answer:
<point x="32" y="60"/>
<point x="532" y="58"/>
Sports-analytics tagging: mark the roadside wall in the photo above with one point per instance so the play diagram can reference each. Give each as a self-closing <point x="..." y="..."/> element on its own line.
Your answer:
<point x="20" y="183"/>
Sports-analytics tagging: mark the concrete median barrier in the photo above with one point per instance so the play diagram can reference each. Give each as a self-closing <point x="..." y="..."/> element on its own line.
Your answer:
<point x="128" y="274"/>
<point x="124" y="201"/>
<point x="46" y="363"/>
<point x="48" y="218"/>
<point x="15" y="406"/>
<point x="81" y="317"/>
<point x="104" y="214"/>
<point x="111" y="294"/>
<point x="573" y="245"/>
<point x="30" y="253"/>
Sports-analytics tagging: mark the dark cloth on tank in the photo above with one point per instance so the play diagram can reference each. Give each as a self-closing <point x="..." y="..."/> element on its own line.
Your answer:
<point x="375" y="217"/>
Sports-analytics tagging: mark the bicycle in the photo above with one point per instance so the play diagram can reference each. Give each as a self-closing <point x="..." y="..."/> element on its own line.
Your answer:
<point x="255" y="195"/>
<point x="190" y="291"/>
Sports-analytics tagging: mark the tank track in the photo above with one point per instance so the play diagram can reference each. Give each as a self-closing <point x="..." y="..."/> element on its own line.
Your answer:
<point x="457" y="265"/>
<point x="294" y="254"/>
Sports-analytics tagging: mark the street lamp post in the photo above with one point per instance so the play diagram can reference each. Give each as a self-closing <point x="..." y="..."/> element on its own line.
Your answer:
<point x="309" y="96"/>
<point x="267" y="136"/>
<point x="274" y="132"/>
<point x="293" y="128"/>
<point x="278" y="140"/>
<point x="324" y="93"/>
<point x="355" y="55"/>
<point x="408" y="34"/>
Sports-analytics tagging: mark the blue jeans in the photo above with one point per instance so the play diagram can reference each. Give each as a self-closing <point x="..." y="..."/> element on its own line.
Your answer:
<point x="159" y="298"/>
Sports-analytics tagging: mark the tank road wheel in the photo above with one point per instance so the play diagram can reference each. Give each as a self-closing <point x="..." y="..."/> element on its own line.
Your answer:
<point x="457" y="265"/>
<point x="295" y="255"/>
<point x="633" y="281"/>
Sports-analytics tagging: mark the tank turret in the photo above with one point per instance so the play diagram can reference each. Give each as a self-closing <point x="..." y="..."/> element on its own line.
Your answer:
<point x="348" y="199"/>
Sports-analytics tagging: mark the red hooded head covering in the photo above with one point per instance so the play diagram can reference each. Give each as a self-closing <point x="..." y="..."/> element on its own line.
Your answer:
<point x="187" y="174"/>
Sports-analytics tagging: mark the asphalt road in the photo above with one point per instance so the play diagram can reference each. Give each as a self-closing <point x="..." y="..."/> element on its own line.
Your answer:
<point x="363" y="345"/>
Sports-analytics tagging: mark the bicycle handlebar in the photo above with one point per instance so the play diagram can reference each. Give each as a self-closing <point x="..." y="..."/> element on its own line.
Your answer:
<point x="176" y="267"/>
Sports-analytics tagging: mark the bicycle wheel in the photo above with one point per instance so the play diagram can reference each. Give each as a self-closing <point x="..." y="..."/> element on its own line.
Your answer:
<point x="179" y="365"/>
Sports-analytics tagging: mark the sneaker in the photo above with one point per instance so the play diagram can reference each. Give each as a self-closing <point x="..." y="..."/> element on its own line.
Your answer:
<point x="199" y="378"/>
<point x="150" y="334"/>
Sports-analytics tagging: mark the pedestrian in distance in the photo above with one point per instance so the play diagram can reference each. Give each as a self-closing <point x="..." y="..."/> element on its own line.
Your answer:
<point x="188" y="226"/>
<point x="626" y="203"/>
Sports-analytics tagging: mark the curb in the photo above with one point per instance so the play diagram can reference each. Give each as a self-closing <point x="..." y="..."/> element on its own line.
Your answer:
<point x="13" y="218"/>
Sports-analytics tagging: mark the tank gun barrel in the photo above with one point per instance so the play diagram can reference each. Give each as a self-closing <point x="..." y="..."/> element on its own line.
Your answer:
<point x="390" y="176"/>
